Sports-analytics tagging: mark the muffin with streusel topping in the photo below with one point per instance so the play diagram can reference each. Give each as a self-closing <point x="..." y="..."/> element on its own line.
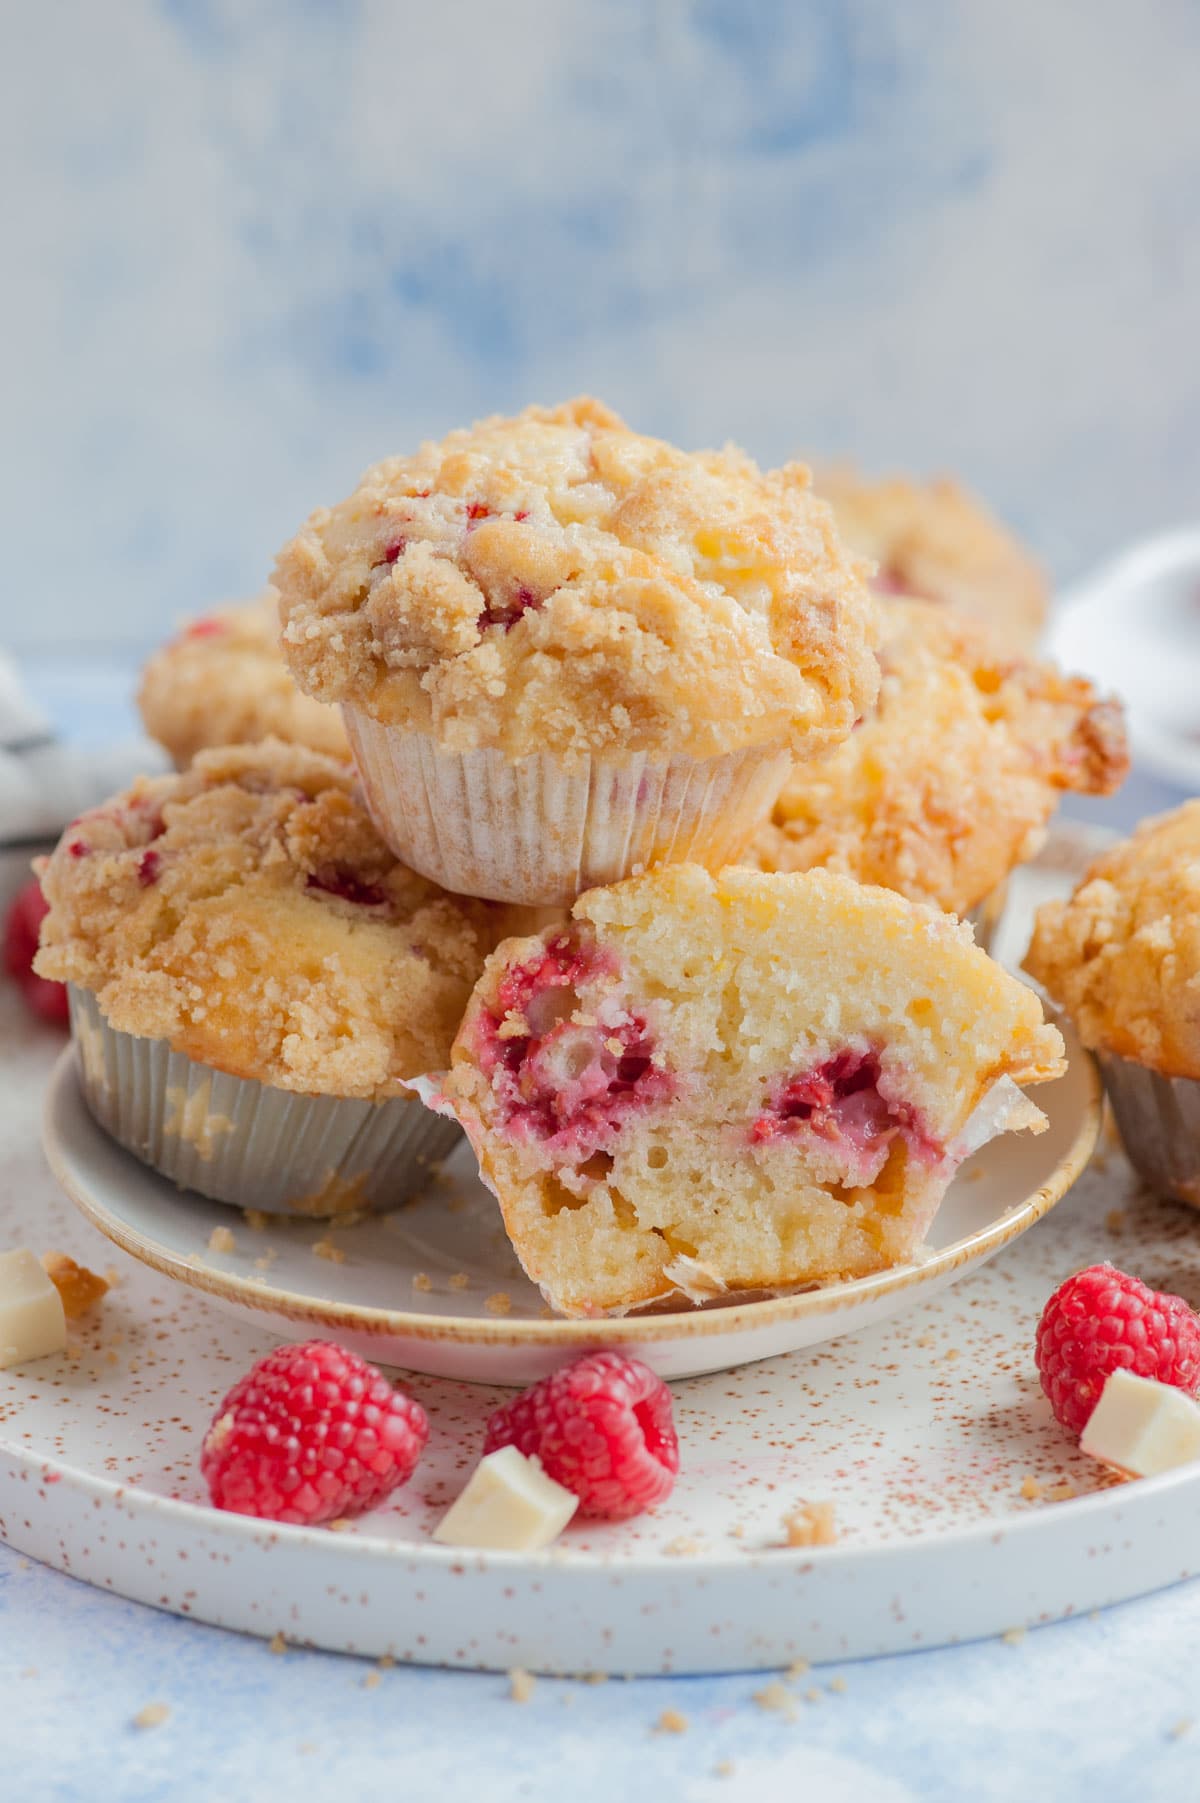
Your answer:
<point x="255" y="981"/>
<point x="952" y="779"/>
<point x="223" y="681"/>
<point x="937" y="542"/>
<point x="1122" y="957"/>
<point x="565" y="652"/>
<point x="702" y="1085"/>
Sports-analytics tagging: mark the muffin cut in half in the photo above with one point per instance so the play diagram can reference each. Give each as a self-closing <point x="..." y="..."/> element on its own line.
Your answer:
<point x="223" y="681"/>
<point x="705" y="1084"/>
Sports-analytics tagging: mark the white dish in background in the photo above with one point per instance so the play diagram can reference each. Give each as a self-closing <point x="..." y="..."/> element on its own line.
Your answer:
<point x="1134" y="628"/>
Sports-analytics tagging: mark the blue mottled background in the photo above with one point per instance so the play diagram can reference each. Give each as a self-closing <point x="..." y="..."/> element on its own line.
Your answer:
<point x="251" y="245"/>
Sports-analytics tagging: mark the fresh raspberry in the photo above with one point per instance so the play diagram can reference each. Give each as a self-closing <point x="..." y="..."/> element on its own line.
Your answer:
<point x="311" y="1433"/>
<point x="601" y="1427"/>
<point x="21" y="927"/>
<point x="1102" y="1320"/>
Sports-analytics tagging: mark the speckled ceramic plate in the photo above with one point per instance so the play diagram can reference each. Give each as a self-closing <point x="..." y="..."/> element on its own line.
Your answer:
<point x="960" y="1508"/>
<point x="436" y="1287"/>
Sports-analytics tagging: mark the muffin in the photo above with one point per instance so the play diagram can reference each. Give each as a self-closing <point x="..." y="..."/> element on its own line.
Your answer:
<point x="565" y="652"/>
<point x="1122" y="957"/>
<point x="936" y="541"/>
<point x="223" y="681"/>
<point x="951" y="781"/>
<point x="255" y="981"/>
<point x="702" y="1085"/>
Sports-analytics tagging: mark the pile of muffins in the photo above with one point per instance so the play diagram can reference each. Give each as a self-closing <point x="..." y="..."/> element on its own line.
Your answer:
<point x="584" y="794"/>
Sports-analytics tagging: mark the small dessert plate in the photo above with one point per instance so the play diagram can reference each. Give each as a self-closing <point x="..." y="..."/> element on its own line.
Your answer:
<point x="436" y="1287"/>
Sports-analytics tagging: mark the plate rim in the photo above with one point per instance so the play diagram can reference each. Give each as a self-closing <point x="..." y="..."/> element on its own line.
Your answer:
<point x="568" y="1333"/>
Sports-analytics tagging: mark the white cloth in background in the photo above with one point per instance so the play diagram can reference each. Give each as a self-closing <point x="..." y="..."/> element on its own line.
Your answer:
<point x="45" y="783"/>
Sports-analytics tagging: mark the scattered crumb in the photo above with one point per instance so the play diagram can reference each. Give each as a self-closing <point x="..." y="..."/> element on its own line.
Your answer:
<point x="221" y="1240"/>
<point x="339" y="1524"/>
<point x="521" y="1685"/>
<point x="683" y="1548"/>
<point x="737" y="1532"/>
<point x="79" y="1288"/>
<point x="796" y="1669"/>
<point x="595" y="1677"/>
<point x="498" y="1303"/>
<point x="950" y="1353"/>
<point x="267" y="1260"/>
<point x="277" y="1644"/>
<point x="724" y="1768"/>
<point x="671" y="1722"/>
<point x="1014" y="1636"/>
<point x="112" y="1276"/>
<point x="371" y="1680"/>
<point x="1178" y="1729"/>
<point x="386" y="1662"/>
<point x="812" y="1696"/>
<point x="1031" y="1490"/>
<point x="810" y="1524"/>
<point x="256" y="1220"/>
<point x="926" y="1342"/>
<point x="152" y="1716"/>
<point x="195" y="1258"/>
<point x="776" y="1696"/>
<point x="459" y="1280"/>
<point x="327" y="1249"/>
<point x="1062" y="1492"/>
<point x="1115" y="1221"/>
<point x="422" y="1280"/>
<point x="837" y="1684"/>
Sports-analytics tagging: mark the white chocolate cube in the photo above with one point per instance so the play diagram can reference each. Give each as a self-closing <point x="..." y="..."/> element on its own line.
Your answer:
<point x="32" y="1323"/>
<point x="1142" y="1427"/>
<point x="509" y="1504"/>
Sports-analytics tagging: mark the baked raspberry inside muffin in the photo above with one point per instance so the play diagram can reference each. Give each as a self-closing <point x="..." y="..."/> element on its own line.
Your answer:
<point x="745" y="1082"/>
<point x="954" y="776"/>
<point x="223" y="681"/>
<point x="566" y="651"/>
<point x="936" y="541"/>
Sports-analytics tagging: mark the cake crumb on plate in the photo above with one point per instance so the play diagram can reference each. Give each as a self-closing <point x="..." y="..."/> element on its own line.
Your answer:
<point x="810" y="1524"/>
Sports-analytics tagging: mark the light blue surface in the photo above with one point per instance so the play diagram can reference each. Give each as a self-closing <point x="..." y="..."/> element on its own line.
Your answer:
<point x="1088" y="1710"/>
<point x="250" y="247"/>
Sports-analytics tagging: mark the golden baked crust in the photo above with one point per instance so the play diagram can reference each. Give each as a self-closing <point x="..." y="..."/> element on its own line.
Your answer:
<point x="556" y="582"/>
<point x="936" y="541"/>
<point x="223" y="681"/>
<point x="951" y="781"/>
<point x="248" y="912"/>
<point x="653" y="1089"/>
<point x="1122" y="955"/>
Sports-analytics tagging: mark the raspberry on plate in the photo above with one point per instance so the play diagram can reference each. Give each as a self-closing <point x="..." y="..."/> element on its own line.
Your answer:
<point x="601" y="1427"/>
<point x="1101" y="1321"/>
<point x="21" y="927"/>
<point x="311" y="1433"/>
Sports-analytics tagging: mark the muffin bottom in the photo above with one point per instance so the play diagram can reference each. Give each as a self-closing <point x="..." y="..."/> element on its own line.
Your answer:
<point x="247" y="1143"/>
<point x="1159" y="1122"/>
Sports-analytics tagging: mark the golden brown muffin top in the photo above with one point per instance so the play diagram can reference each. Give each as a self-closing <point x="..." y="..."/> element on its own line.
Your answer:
<point x="248" y="912"/>
<point x="1122" y="955"/>
<point x="953" y="778"/>
<point x="556" y="582"/>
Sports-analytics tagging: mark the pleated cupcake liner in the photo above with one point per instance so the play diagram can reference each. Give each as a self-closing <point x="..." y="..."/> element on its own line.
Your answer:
<point x="246" y="1143"/>
<point x="1159" y="1122"/>
<point x="543" y="829"/>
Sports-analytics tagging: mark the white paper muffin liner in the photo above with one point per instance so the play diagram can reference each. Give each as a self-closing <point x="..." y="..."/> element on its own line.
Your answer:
<point x="545" y="828"/>
<point x="1159" y="1122"/>
<point x="247" y="1143"/>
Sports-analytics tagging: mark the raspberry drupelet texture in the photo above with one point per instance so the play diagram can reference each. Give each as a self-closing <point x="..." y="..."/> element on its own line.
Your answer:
<point x="21" y="928"/>
<point x="602" y="1427"/>
<point x="1101" y="1321"/>
<point x="310" y="1434"/>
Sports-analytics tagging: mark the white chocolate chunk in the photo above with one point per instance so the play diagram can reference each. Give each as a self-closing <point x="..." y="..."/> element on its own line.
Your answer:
<point x="32" y="1323"/>
<point x="509" y="1504"/>
<point x="1142" y="1427"/>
